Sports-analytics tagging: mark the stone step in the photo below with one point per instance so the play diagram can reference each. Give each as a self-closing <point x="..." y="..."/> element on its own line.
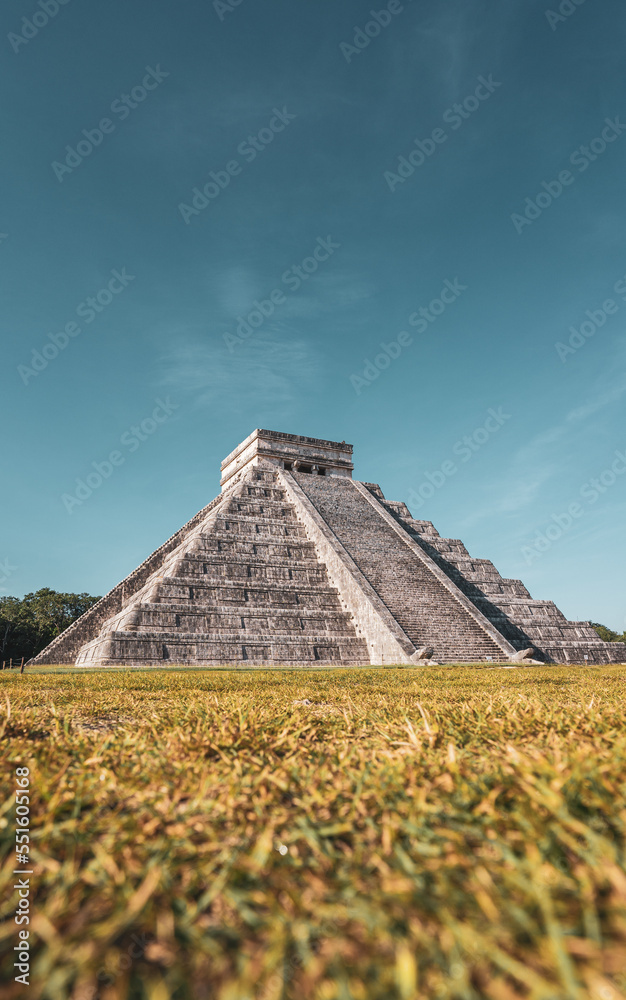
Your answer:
<point x="153" y="618"/>
<point x="264" y="492"/>
<point x="224" y="543"/>
<point x="178" y="589"/>
<point x="242" y="571"/>
<point x="280" y="513"/>
<point x="253" y="629"/>
<point x="526" y="605"/>
<point x="262" y="527"/>
<point x="265" y="508"/>
<point x="218" y="559"/>
<point x="585" y="652"/>
<point x="161" y="649"/>
<point x="227" y="609"/>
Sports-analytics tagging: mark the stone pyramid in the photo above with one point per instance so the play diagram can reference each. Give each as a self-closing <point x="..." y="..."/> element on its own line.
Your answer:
<point x="296" y="563"/>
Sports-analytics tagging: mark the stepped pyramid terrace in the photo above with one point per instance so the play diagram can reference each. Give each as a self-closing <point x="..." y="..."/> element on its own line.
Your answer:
<point x="296" y="563"/>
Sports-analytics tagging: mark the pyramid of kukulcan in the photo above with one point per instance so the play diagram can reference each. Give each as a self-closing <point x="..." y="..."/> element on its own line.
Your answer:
<point x="297" y="563"/>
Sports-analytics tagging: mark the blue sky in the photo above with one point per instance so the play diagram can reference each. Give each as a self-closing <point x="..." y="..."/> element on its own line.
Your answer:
<point x="316" y="122"/>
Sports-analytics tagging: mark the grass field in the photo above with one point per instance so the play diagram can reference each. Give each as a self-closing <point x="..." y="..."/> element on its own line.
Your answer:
<point x="411" y="833"/>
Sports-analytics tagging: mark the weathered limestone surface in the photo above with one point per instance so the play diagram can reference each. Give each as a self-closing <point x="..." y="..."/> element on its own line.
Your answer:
<point x="506" y="603"/>
<point x="427" y="608"/>
<point x="272" y="449"/>
<point x="297" y="564"/>
<point x="65" y="648"/>
<point x="386" y="640"/>
<point x="246" y="589"/>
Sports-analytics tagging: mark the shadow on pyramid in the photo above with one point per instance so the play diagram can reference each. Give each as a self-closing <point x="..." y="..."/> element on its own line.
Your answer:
<point x="297" y="564"/>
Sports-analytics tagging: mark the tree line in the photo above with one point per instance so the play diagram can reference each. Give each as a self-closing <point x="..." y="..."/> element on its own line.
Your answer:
<point x="28" y="624"/>
<point x="607" y="634"/>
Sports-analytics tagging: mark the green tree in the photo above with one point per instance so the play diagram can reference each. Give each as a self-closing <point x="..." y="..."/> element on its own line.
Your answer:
<point x="28" y="625"/>
<point x="10" y="623"/>
<point x="607" y="634"/>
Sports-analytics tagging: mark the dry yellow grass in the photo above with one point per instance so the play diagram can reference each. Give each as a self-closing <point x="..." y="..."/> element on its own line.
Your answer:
<point x="436" y="833"/>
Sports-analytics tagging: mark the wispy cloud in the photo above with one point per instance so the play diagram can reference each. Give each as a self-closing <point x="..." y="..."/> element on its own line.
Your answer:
<point x="265" y="370"/>
<point x="608" y="395"/>
<point x="449" y="38"/>
<point x="235" y="289"/>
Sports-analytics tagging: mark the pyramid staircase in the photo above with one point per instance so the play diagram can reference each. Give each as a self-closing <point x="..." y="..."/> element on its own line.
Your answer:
<point x="427" y="609"/>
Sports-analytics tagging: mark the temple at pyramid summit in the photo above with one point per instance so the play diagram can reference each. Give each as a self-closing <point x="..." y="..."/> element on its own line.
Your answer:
<point x="296" y="563"/>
